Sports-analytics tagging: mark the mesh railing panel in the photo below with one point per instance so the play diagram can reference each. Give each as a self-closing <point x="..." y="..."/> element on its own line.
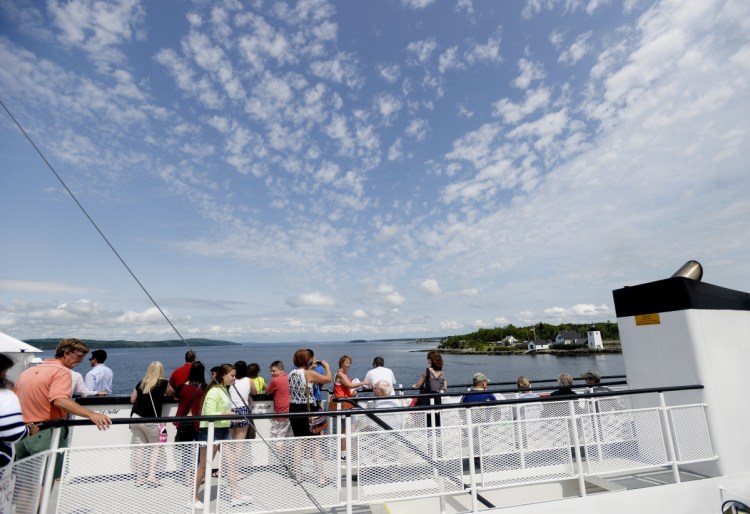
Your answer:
<point x="251" y="469"/>
<point x="620" y="441"/>
<point x="25" y="478"/>
<point x="525" y="451"/>
<point x="409" y="463"/>
<point x="691" y="437"/>
<point x="100" y="483"/>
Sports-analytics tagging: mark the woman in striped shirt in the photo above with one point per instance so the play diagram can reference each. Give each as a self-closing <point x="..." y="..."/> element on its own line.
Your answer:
<point x="12" y="427"/>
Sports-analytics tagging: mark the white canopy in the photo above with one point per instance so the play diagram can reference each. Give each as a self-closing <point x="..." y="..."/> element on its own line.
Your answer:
<point x="21" y="353"/>
<point x="9" y="344"/>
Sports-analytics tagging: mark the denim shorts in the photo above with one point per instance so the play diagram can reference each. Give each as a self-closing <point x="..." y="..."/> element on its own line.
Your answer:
<point x="220" y="434"/>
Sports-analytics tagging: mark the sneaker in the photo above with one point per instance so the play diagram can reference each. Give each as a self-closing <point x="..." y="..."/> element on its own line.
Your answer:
<point x="241" y="500"/>
<point x="198" y="505"/>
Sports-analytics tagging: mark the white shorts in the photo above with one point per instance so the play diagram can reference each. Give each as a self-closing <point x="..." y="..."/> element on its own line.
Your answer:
<point x="281" y="429"/>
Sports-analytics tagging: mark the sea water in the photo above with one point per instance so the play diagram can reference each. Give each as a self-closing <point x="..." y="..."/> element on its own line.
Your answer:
<point x="406" y="358"/>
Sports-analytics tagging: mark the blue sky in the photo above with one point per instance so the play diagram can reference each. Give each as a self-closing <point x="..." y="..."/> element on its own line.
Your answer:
<point x="282" y="171"/>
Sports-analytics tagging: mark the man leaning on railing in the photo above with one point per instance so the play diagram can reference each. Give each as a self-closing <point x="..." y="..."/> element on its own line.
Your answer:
<point x="45" y="395"/>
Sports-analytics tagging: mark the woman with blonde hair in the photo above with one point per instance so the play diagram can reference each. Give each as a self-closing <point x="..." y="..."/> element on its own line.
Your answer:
<point x="147" y="399"/>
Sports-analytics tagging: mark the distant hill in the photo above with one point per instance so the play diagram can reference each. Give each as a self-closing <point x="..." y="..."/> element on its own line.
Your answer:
<point x="51" y="344"/>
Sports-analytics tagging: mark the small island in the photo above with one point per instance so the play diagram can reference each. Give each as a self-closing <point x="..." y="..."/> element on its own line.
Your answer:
<point x="542" y="338"/>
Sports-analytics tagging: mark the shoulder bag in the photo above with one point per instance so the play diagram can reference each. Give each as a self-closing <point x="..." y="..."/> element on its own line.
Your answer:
<point x="162" y="426"/>
<point x="317" y="424"/>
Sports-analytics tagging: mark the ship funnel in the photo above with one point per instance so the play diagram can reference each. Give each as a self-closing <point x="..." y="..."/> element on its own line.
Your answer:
<point x="691" y="269"/>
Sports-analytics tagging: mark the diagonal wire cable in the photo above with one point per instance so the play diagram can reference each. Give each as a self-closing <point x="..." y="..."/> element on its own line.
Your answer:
<point x="143" y="288"/>
<point x="91" y="220"/>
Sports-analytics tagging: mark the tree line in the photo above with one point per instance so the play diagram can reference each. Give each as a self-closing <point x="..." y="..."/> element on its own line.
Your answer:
<point x="543" y="331"/>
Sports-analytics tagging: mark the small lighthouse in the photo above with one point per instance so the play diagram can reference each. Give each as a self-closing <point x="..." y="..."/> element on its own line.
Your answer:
<point x="594" y="339"/>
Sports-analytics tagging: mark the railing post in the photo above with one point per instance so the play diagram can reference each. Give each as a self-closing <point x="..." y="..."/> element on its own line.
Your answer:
<point x="207" y="478"/>
<point x="472" y="470"/>
<point x="49" y="474"/>
<point x="668" y="437"/>
<point x="349" y="449"/>
<point x="576" y="447"/>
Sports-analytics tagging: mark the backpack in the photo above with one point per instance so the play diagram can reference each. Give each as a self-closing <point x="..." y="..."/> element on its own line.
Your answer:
<point x="429" y="386"/>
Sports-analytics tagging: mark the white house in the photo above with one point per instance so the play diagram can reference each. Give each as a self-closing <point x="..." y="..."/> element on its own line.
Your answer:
<point x="507" y="341"/>
<point x="567" y="337"/>
<point x="539" y="344"/>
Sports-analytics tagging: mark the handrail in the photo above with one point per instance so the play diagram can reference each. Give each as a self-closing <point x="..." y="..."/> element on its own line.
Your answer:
<point x="354" y="401"/>
<point x="450" y="392"/>
<point x="509" y="383"/>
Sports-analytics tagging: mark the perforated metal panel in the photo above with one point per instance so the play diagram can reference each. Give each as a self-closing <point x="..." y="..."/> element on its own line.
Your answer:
<point x="691" y="437"/>
<point x="97" y="486"/>
<point x="26" y="479"/>
<point x="409" y="463"/>
<point x="620" y="441"/>
<point x="525" y="451"/>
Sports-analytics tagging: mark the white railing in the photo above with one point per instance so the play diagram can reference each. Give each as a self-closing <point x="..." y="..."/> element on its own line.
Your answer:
<point x="475" y="449"/>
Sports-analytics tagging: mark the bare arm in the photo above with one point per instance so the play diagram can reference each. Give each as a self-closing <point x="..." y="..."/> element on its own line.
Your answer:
<point x="314" y="376"/>
<point x="419" y="383"/>
<point x="344" y="380"/>
<point x="102" y="421"/>
<point x="169" y="391"/>
<point x="133" y="396"/>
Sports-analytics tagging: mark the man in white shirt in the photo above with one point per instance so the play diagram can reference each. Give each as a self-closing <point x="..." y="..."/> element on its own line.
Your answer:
<point x="99" y="379"/>
<point x="379" y="372"/>
<point x="79" y="386"/>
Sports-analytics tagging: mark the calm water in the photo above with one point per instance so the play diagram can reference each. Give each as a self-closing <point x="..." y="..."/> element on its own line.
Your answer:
<point x="403" y="357"/>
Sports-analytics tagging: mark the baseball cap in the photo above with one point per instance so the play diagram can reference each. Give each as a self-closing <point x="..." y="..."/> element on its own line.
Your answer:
<point x="595" y="375"/>
<point x="480" y="377"/>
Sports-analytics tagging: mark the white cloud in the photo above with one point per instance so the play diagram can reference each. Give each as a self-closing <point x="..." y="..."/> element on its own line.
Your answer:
<point x="422" y="50"/>
<point x="465" y="5"/>
<point x="395" y="151"/>
<point x="449" y="60"/>
<point x="417" y="129"/>
<point x="359" y="314"/>
<point x="389" y="72"/>
<point x="314" y="299"/>
<point x="530" y="71"/>
<point x="416" y="4"/>
<point x="387" y="294"/>
<point x="430" y="286"/>
<point x="97" y="27"/>
<point x="32" y="286"/>
<point x="341" y="69"/>
<point x="577" y="50"/>
<point x="512" y="112"/>
<point x="485" y="52"/>
<point x="388" y="106"/>
<point x="470" y="291"/>
<point x="449" y="325"/>
<point x="578" y="311"/>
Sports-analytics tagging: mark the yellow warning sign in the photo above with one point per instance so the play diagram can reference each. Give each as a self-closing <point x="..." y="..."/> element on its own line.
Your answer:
<point x="647" y="319"/>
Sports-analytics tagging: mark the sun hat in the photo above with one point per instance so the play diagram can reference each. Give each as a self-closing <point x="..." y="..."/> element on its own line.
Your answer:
<point x="594" y="375"/>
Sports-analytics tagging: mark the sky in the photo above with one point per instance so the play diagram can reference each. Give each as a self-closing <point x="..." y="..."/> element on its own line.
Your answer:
<point x="314" y="170"/>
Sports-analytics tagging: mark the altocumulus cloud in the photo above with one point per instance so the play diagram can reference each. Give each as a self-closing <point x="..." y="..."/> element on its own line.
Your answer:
<point x="311" y="299"/>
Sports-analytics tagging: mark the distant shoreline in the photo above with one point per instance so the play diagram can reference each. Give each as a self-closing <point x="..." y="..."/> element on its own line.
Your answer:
<point x="51" y="343"/>
<point x="573" y="353"/>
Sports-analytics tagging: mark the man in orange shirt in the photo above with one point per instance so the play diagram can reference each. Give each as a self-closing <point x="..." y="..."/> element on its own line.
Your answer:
<point x="45" y="395"/>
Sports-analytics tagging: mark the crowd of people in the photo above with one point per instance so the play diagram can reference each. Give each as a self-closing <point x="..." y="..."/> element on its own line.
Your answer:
<point x="45" y="392"/>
